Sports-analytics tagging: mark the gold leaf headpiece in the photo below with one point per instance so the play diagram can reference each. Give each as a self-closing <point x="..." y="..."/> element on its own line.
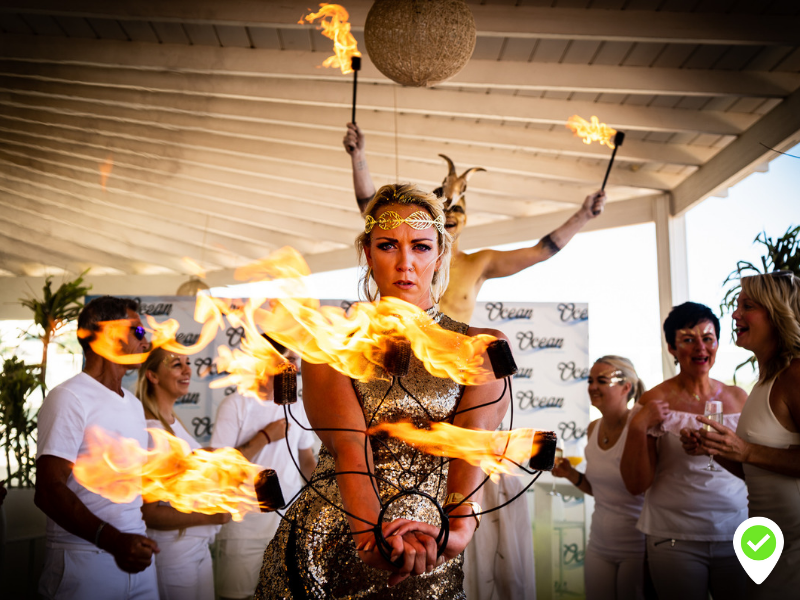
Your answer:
<point x="391" y="220"/>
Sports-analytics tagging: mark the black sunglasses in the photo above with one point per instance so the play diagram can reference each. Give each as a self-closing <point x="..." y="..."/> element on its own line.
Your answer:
<point x="138" y="332"/>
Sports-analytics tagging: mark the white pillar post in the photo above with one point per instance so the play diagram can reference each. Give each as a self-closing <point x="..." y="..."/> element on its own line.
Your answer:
<point x="673" y="268"/>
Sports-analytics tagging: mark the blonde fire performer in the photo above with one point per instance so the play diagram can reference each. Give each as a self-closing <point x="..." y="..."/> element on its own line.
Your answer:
<point x="468" y="272"/>
<point x="321" y="552"/>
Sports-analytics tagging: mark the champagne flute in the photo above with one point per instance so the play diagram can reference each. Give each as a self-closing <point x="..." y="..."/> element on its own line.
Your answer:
<point x="713" y="411"/>
<point x="558" y="458"/>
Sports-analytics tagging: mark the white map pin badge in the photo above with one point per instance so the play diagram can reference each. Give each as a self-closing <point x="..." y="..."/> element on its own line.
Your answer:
<point x="758" y="543"/>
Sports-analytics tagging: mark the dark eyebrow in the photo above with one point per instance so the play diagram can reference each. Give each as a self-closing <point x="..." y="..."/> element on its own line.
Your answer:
<point x="421" y="240"/>
<point x="455" y="209"/>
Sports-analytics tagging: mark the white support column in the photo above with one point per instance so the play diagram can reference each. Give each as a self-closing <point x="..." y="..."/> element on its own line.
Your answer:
<point x="673" y="267"/>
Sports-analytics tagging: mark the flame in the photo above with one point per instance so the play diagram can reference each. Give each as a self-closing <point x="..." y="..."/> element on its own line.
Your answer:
<point x="194" y="268"/>
<point x="108" y="341"/>
<point x="105" y="170"/>
<point x="495" y="452"/>
<point x="119" y="469"/>
<point x="353" y="343"/>
<point x="592" y="132"/>
<point x="334" y="25"/>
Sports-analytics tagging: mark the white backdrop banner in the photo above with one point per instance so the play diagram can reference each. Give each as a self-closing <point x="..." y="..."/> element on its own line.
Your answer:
<point x="550" y="343"/>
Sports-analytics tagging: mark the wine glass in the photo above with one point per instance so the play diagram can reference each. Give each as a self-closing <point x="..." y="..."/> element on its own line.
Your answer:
<point x="558" y="458"/>
<point x="713" y="411"/>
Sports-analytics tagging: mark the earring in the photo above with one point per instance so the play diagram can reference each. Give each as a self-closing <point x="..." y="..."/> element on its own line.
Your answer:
<point x="675" y="360"/>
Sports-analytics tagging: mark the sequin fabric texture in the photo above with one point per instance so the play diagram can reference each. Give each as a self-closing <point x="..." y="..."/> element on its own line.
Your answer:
<point x="313" y="555"/>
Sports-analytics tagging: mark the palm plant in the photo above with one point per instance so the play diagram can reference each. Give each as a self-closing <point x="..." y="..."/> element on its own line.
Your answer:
<point x="53" y="312"/>
<point x="18" y="420"/>
<point x="782" y="254"/>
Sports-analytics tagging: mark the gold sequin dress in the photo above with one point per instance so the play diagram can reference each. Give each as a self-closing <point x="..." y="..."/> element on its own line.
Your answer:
<point x="313" y="555"/>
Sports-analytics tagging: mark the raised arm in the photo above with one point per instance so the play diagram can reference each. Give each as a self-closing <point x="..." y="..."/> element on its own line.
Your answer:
<point x="354" y="143"/>
<point x="133" y="553"/>
<point x="503" y="264"/>
<point x="639" y="457"/>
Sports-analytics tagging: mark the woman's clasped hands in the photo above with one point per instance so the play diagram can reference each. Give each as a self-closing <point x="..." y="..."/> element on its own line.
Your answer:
<point x="414" y="544"/>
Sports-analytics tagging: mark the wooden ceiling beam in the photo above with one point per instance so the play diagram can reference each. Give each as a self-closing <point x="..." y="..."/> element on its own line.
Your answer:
<point x="78" y="233"/>
<point x="778" y="129"/>
<point x="118" y="62"/>
<point x="490" y="20"/>
<point x="194" y="170"/>
<point x="311" y="126"/>
<point x="109" y="132"/>
<point x="82" y="178"/>
<point x="251" y="100"/>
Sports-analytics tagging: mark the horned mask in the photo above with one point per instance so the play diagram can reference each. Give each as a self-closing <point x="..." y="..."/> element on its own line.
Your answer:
<point x="454" y="185"/>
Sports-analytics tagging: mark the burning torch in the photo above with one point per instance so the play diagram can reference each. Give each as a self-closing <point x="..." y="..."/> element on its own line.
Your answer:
<point x="595" y="131"/>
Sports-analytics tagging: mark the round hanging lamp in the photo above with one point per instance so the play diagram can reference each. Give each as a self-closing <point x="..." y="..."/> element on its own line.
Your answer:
<point x="192" y="287"/>
<point x="419" y="42"/>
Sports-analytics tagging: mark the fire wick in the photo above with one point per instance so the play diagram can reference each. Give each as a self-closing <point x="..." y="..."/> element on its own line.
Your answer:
<point x="355" y="64"/>
<point x="619" y="137"/>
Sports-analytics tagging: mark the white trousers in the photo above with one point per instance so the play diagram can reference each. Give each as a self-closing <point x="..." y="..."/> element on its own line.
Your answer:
<point x="77" y="574"/>
<point x="608" y="578"/>
<point x="185" y="570"/>
<point x="689" y="570"/>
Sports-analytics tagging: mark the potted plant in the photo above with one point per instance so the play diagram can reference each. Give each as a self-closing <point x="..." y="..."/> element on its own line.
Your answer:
<point x="53" y="312"/>
<point x="18" y="427"/>
<point x="782" y="254"/>
<point x="18" y="421"/>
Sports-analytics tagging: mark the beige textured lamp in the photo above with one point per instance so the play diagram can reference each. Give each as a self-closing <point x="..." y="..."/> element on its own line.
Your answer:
<point x="419" y="42"/>
<point x="192" y="287"/>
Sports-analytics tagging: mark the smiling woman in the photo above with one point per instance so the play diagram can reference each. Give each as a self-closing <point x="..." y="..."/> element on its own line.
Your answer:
<point x="690" y="514"/>
<point x="184" y="564"/>
<point x="765" y="449"/>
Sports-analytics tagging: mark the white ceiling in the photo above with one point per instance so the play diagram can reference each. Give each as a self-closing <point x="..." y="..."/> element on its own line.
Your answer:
<point x="225" y="135"/>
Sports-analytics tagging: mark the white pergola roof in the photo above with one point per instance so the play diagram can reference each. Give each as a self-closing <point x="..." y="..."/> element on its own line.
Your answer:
<point x="223" y="135"/>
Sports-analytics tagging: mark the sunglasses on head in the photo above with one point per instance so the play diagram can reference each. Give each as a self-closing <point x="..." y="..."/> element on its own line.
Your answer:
<point x="138" y="332"/>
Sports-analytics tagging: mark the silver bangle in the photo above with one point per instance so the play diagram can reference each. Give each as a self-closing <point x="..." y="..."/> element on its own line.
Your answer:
<point x="98" y="532"/>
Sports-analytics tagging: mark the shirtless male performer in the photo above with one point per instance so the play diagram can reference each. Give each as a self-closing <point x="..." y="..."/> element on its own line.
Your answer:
<point x="468" y="272"/>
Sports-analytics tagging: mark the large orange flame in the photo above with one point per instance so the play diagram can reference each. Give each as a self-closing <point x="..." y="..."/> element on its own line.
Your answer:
<point x="353" y="343"/>
<point x="592" y="132"/>
<point x="108" y="341"/>
<point x="119" y="469"/>
<point x="495" y="452"/>
<point x="334" y="25"/>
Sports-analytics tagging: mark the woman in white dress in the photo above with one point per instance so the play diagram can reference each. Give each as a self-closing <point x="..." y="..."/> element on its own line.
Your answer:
<point x="690" y="514"/>
<point x="614" y="563"/>
<point x="184" y="566"/>
<point x="765" y="448"/>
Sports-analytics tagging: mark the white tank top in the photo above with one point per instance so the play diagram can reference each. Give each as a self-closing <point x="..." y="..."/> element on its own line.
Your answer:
<point x="616" y="511"/>
<point x="685" y="501"/>
<point x="773" y="495"/>
<point x="769" y="493"/>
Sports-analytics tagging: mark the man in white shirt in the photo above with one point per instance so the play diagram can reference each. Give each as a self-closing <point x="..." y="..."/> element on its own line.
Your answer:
<point x="95" y="548"/>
